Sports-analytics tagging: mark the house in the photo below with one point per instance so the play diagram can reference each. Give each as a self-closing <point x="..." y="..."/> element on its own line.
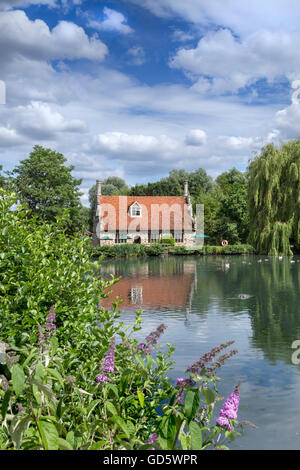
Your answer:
<point x="143" y="219"/>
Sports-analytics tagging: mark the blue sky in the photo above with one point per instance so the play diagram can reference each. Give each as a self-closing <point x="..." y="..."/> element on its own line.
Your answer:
<point x="135" y="88"/>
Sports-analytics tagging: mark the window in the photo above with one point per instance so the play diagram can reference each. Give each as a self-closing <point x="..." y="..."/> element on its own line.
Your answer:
<point x="153" y="237"/>
<point x="136" y="295"/>
<point x="178" y="237"/>
<point x="135" y="210"/>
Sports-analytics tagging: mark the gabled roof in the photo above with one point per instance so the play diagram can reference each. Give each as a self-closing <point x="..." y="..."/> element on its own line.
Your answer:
<point x="158" y="213"/>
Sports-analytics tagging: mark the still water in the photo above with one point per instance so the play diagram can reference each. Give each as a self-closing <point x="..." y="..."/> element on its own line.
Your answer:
<point x="200" y="301"/>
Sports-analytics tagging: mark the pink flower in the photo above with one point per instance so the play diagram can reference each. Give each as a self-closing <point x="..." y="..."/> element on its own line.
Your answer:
<point x="229" y="409"/>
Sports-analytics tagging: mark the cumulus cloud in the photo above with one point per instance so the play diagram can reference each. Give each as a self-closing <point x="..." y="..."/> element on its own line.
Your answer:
<point x="244" y="17"/>
<point x="231" y="64"/>
<point x="195" y="137"/>
<point x="113" y="21"/>
<point x="33" y="39"/>
<point x="8" y="4"/>
<point x="9" y="137"/>
<point x="119" y="144"/>
<point x="39" y="121"/>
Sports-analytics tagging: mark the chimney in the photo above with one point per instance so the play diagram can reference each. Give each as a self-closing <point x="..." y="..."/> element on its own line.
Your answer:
<point x="186" y="189"/>
<point x="98" y="189"/>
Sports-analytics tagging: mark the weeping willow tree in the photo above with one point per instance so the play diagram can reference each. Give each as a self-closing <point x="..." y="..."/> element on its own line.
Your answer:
<point x="274" y="198"/>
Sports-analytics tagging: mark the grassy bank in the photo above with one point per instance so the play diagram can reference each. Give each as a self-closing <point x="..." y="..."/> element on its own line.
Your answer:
<point x="120" y="251"/>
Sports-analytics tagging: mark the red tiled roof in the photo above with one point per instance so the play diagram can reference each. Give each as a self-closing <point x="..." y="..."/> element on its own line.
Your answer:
<point x="158" y="212"/>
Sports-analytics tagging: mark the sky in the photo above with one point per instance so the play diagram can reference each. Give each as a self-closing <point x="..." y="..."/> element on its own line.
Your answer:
<point x="136" y="88"/>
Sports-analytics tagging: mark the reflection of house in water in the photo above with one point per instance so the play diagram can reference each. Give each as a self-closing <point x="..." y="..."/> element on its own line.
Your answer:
<point x="156" y="285"/>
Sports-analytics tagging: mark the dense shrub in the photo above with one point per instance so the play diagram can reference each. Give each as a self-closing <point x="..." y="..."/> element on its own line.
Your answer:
<point x="167" y="241"/>
<point x="156" y="249"/>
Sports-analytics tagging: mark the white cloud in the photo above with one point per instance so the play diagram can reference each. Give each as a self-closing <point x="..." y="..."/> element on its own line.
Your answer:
<point x="9" y="137"/>
<point x="137" y="55"/>
<point x="134" y="147"/>
<point x="244" y="17"/>
<point x="182" y="36"/>
<point x="232" y="64"/>
<point x="237" y="142"/>
<point x="39" y="121"/>
<point x="8" y="4"/>
<point x="113" y="21"/>
<point x="33" y="39"/>
<point x="195" y="137"/>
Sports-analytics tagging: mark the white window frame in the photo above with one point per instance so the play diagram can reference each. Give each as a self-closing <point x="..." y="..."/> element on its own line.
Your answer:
<point x="132" y="209"/>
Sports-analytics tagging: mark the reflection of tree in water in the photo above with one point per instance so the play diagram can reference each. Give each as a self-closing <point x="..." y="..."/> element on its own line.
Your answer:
<point x="273" y="307"/>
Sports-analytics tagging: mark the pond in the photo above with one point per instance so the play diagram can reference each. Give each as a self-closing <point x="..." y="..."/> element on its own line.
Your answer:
<point x="206" y="301"/>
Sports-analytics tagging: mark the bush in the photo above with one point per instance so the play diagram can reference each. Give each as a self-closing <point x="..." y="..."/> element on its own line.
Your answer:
<point x="167" y="241"/>
<point x="71" y="377"/>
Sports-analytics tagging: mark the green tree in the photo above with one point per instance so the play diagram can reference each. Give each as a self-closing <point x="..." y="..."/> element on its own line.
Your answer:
<point x="274" y="188"/>
<point x="47" y="186"/>
<point x="172" y="185"/>
<point x="2" y="178"/>
<point x="233" y="210"/>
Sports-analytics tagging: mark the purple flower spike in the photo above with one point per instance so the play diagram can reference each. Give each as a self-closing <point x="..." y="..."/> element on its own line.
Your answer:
<point x="153" y="437"/>
<point x="50" y="322"/>
<point x="108" y="364"/>
<point x="229" y="409"/>
<point x="152" y="339"/>
<point x="103" y="379"/>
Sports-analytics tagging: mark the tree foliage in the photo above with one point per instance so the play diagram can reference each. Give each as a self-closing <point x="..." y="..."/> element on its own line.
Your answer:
<point x="172" y="185"/>
<point x="274" y="198"/>
<point x="47" y="186"/>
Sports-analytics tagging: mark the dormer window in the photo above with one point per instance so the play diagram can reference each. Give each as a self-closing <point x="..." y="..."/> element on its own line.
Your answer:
<point x="135" y="210"/>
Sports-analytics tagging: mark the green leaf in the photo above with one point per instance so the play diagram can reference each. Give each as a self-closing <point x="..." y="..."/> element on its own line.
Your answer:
<point x="46" y="390"/>
<point x="140" y="361"/>
<point x="196" y="435"/>
<point x="209" y="395"/>
<point x="191" y="405"/>
<point x="71" y="439"/>
<point x="54" y="344"/>
<point x="54" y="373"/>
<point x="92" y="405"/>
<point x="124" y="380"/>
<point x="5" y="402"/>
<point x="113" y="388"/>
<point x="18" y="379"/>
<point x="98" y="445"/>
<point x="39" y="372"/>
<point x="111" y="408"/>
<point x="49" y="435"/>
<point x="141" y="398"/>
<point x="64" y="445"/>
<point x="183" y="441"/>
<point x="16" y="435"/>
<point x="120" y="422"/>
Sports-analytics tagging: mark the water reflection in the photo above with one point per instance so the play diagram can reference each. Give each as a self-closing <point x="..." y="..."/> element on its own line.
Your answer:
<point x="204" y="303"/>
<point x="267" y="292"/>
<point x="163" y="284"/>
